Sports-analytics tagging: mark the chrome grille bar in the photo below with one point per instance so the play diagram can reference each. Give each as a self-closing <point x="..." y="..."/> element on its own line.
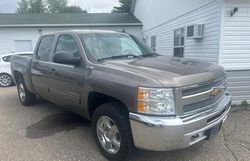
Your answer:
<point x="199" y="88"/>
<point x="197" y="98"/>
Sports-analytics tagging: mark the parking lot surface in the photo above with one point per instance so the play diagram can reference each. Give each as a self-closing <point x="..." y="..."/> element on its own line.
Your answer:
<point x="46" y="132"/>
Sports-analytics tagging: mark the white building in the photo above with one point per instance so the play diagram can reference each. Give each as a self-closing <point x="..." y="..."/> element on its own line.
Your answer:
<point x="19" y="32"/>
<point x="225" y="39"/>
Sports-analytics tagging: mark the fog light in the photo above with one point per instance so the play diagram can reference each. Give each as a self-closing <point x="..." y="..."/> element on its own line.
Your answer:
<point x="195" y="137"/>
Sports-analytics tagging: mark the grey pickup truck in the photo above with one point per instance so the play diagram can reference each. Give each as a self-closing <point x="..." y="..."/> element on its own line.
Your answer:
<point x="133" y="96"/>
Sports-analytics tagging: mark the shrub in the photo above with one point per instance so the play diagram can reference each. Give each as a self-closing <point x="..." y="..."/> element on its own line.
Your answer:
<point x="244" y="103"/>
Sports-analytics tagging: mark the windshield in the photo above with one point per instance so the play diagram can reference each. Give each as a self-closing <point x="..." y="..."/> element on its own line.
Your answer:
<point x="100" y="46"/>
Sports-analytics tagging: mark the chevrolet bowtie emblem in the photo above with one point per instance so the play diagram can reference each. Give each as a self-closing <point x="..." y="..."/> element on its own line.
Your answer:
<point x="215" y="92"/>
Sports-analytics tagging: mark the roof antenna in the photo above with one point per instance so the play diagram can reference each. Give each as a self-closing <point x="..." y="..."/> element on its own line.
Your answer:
<point x="91" y="29"/>
<point x="90" y="19"/>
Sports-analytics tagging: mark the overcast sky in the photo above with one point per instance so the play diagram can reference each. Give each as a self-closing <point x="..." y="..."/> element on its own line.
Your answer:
<point x="9" y="6"/>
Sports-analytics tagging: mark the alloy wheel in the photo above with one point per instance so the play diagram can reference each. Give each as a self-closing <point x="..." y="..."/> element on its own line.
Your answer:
<point x="5" y="80"/>
<point x="21" y="92"/>
<point x="108" y="134"/>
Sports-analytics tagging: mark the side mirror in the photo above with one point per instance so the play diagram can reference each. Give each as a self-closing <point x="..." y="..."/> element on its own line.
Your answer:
<point x="65" y="57"/>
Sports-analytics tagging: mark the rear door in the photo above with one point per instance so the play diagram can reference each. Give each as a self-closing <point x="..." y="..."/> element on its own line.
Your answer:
<point x="40" y="66"/>
<point x="67" y="83"/>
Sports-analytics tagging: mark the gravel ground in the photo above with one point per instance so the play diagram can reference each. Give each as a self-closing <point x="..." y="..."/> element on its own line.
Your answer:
<point x="45" y="132"/>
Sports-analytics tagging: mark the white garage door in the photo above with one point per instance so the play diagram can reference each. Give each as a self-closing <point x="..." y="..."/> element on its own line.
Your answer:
<point x="23" y="45"/>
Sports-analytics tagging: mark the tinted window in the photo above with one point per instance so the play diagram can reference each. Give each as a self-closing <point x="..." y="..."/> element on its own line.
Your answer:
<point x="68" y="44"/>
<point x="45" y="48"/>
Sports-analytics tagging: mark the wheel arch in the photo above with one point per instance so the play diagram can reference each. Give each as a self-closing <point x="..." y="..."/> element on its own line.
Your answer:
<point x="19" y="75"/>
<point x="6" y="74"/>
<point x="95" y="99"/>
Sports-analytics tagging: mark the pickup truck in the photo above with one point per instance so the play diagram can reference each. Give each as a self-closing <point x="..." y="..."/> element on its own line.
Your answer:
<point x="133" y="96"/>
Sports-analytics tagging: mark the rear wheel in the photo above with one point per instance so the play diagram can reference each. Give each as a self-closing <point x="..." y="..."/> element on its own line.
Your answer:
<point x="6" y="80"/>
<point x="112" y="131"/>
<point x="26" y="97"/>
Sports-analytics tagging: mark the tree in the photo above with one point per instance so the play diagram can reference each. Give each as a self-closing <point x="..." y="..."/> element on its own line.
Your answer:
<point x="73" y="9"/>
<point x="56" y="6"/>
<point x="47" y="6"/>
<point x="31" y="6"/>
<point x="23" y="6"/>
<point x="36" y="6"/>
<point x="125" y="6"/>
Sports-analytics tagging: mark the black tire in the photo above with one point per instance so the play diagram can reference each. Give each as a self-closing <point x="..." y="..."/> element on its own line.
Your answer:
<point x="6" y="80"/>
<point x="119" y="116"/>
<point x="28" y="98"/>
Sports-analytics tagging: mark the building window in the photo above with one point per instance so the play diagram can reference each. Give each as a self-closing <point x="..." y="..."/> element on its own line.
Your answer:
<point x="179" y="42"/>
<point x="23" y="45"/>
<point x="153" y="42"/>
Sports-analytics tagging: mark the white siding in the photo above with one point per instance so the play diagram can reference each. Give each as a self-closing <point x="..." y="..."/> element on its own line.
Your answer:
<point x="206" y="48"/>
<point x="154" y="12"/>
<point x="23" y="45"/>
<point x="9" y="35"/>
<point x="235" y="44"/>
<point x="226" y="39"/>
<point x="239" y="85"/>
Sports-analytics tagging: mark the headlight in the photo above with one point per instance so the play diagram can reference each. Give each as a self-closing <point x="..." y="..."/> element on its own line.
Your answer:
<point x="155" y="101"/>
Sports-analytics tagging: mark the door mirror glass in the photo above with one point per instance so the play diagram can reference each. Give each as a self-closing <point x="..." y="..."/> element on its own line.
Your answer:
<point x="65" y="57"/>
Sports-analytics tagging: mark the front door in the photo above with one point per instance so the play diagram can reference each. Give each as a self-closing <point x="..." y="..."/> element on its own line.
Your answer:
<point x="67" y="81"/>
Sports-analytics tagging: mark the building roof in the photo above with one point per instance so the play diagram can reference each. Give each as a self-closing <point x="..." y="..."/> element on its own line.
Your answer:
<point x="68" y="19"/>
<point x="88" y="31"/>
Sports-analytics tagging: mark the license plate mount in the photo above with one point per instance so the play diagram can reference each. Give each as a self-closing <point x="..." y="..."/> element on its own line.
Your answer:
<point x="214" y="131"/>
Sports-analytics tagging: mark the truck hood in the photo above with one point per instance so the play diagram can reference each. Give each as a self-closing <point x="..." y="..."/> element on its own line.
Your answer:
<point x="171" y="71"/>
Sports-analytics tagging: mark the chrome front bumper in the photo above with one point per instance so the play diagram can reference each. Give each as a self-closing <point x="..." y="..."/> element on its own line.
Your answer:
<point x="169" y="133"/>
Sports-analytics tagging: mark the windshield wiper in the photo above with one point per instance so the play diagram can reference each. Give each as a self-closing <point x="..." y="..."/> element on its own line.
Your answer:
<point x="121" y="56"/>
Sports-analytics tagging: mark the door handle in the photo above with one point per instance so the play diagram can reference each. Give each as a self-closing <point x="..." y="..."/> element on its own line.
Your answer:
<point x="34" y="64"/>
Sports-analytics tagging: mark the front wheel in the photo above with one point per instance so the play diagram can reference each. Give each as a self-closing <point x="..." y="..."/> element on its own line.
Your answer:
<point x="112" y="131"/>
<point x="26" y="97"/>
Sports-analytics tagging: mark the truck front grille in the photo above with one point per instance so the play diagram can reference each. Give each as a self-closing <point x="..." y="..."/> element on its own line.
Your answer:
<point x="197" y="98"/>
<point x="201" y="105"/>
<point x="201" y="87"/>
